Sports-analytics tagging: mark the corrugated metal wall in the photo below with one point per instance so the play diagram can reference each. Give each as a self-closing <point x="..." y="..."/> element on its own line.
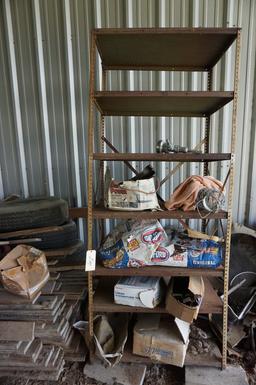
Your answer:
<point x="44" y="62"/>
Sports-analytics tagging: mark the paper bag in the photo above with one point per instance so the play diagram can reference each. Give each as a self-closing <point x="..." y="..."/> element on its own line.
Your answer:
<point x="24" y="271"/>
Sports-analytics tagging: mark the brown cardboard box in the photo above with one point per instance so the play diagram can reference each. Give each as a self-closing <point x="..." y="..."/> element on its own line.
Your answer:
<point x="163" y="340"/>
<point x="24" y="271"/>
<point x="180" y="310"/>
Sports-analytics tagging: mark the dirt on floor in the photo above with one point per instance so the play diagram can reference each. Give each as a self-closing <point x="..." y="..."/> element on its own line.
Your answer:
<point x="73" y="375"/>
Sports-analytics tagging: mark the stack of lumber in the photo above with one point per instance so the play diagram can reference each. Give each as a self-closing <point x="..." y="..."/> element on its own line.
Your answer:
<point x="37" y="337"/>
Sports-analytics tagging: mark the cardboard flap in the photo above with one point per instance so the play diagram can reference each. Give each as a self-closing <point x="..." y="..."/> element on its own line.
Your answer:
<point x="146" y="298"/>
<point x="184" y="329"/>
<point x="10" y="260"/>
<point x="196" y="285"/>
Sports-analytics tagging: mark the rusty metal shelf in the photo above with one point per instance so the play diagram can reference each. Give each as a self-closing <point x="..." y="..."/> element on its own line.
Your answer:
<point x="157" y="271"/>
<point x="179" y="157"/>
<point x="103" y="213"/>
<point x="175" y="49"/>
<point x="161" y="103"/>
<point x="103" y="301"/>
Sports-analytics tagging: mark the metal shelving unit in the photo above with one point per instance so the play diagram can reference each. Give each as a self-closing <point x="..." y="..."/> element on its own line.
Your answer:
<point x="170" y="49"/>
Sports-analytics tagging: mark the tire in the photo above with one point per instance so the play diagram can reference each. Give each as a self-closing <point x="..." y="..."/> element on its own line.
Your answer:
<point x="76" y="256"/>
<point x="56" y="237"/>
<point x="31" y="213"/>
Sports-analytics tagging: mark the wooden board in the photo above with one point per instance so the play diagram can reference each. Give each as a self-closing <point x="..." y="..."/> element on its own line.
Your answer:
<point x="7" y="298"/>
<point x="16" y="331"/>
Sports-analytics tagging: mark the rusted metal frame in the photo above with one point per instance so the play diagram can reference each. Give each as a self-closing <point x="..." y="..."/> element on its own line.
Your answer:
<point x="101" y="212"/>
<point x="230" y="200"/>
<point x="101" y="143"/>
<point x="90" y="181"/>
<point x="98" y="106"/>
<point x="207" y="137"/>
<point x="144" y="67"/>
<point x="150" y="113"/>
<point x="162" y="31"/>
<point x="110" y="145"/>
<point x="172" y="157"/>
<point x="160" y="94"/>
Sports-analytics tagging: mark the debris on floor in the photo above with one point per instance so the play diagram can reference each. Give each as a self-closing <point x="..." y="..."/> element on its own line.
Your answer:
<point x="199" y="341"/>
<point x="73" y="375"/>
<point x="123" y="374"/>
<point x="234" y="375"/>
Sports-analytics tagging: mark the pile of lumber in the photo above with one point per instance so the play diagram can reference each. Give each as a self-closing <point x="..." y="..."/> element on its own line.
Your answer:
<point x="37" y="337"/>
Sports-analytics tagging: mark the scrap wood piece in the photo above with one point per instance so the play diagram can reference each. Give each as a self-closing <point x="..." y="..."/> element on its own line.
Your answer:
<point x="9" y="346"/>
<point x="49" y="372"/>
<point x="17" y="331"/>
<point x="27" y="232"/>
<point x="198" y="234"/>
<point x="7" y="298"/>
<point x="18" y="359"/>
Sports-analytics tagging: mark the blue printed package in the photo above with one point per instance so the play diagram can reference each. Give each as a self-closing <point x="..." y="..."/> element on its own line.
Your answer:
<point x="135" y="247"/>
<point x="200" y="252"/>
<point x="145" y="243"/>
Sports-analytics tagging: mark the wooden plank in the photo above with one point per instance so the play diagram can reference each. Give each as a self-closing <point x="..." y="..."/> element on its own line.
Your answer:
<point x="155" y="157"/>
<point x="7" y="298"/>
<point x="104" y="301"/>
<point x="161" y="103"/>
<point x="26" y="233"/>
<point x="157" y="271"/>
<point x="31" y="355"/>
<point x="16" y="331"/>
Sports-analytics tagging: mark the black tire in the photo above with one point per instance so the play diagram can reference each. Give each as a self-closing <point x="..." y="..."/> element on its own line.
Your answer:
<point x="56" y="237"/>
<point x="76" y="256"/>
<point x="31" y="213"/>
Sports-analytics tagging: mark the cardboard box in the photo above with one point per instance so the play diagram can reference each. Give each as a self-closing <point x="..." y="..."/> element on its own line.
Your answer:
<point x="163" y="340"/>
<point x="24" y="271"/>
<point x="180" y="310"/>
<point x="138" y="291"/>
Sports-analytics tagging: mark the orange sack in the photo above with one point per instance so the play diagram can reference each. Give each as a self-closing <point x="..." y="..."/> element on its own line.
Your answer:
<point x="184" y="196"/>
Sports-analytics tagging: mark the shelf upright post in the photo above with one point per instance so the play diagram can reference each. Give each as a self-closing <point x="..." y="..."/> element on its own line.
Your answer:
<point x="230" y="201"/>
<point x="207" y="137"/>
<point x="90" y="179"/>
<point x="207" y="124"/>
<point x="101" y="145"/>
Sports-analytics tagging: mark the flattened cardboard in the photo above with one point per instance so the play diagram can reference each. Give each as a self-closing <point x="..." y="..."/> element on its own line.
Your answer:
<point x="138" y="291"/>
<point x="180" y="310"/>
<point x="162" y="340"/>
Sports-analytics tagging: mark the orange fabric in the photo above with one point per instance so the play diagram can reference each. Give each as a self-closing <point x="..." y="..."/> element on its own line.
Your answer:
<point x="184" y="196"/>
